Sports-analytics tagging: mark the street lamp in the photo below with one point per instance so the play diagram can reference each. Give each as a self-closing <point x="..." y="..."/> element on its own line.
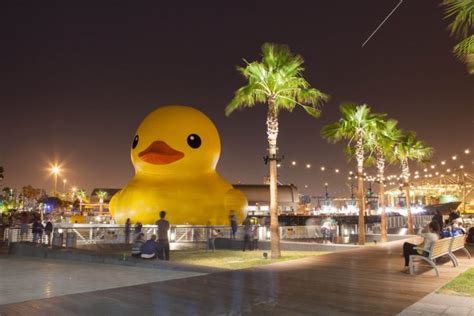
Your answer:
<point x="55" y="170"/>
<point x="64" y="185"/>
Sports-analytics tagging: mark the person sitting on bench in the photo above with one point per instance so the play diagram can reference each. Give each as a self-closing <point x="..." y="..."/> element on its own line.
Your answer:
<point x="429" y="239"/>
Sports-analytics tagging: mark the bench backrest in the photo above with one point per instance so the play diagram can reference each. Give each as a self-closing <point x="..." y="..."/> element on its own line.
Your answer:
<point x="458" y="242"/>
<point x="440" y="247"/>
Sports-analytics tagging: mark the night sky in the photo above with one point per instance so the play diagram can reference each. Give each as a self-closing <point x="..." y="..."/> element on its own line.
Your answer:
<point x="77" y="77"/>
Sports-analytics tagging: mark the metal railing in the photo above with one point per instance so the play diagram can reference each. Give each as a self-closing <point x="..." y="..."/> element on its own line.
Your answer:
<point x="115" y="234"/>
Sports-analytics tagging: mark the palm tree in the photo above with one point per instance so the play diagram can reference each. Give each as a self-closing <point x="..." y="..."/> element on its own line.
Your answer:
<point x="358" y="126"/>
<point x="275" y="80"/>
<point x="462" y="27"/>
<point x="386" y="135"/>
<point x="82" y="196"/>
<point x="410" y="148"/>
<point x="101" y="195"/>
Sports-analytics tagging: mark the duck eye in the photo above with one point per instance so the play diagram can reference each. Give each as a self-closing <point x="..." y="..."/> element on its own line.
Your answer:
<point x="194" y="141"/>
<point x="135" y="142"/>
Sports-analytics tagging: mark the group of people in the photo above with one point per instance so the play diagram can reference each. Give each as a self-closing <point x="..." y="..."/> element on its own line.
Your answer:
<point x="37" y="229"/>
<point x="437" y="229"/>
<point x="156" y="246"/>
<point x="451" y="227"/>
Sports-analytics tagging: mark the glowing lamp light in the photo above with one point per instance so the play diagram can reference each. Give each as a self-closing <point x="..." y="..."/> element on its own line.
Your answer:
<point x="432" y="166"/>
<point x="467" y="151"/>
<point x="425" y="170"/>
<point x="443" y="162"/>
<point x="448" y="170"/>
<point x="350" y="172"/>
<point x="337" y="170"/>
<point x="454" y="157"/>
<point x="278" y="165"/>
<point x="323" y="168"/>
<point x="461" y="167"/>
<point x="55" y="169"/>
<point x="308" y="165"/>
<point x="293" y="163"/>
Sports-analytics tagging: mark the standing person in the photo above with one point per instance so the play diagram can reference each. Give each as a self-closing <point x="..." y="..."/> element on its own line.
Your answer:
<point x="438" y="218"/>
<point x="233" y="224"/>
<point x="429" y="239"/>
<point x="37" y="230"/>
<point x="212" y="238"/>
<point x="48" y="229"/>
<point x="149" y="248"/>
<point x="137" y="230"/>
<point x="127" y="231"/>
<point x="163" y="243"/>
<point x="247" y="234"/>
<point x="255" y="237"/>
<point x="24" y="227"/>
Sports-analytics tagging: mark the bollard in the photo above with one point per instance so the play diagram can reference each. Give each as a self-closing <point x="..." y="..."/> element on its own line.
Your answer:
<point x="57" y="240"/>
<point x="71" y="240"/>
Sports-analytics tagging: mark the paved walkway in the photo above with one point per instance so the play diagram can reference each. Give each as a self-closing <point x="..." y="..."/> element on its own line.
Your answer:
<point x="441" y="304"/>
<point x="364" y="281"/>
<point x="28" y="278"/>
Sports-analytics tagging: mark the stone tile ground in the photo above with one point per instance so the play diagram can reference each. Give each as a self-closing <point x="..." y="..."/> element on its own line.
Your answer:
<point x="441" y="304"/>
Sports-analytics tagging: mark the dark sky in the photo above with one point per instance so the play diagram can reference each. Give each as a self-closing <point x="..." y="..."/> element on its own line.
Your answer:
<point x="77" y="77"/>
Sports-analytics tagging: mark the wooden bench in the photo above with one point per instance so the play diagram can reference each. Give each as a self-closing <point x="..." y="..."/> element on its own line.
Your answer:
<point x="440" y="248"/>
<point x="458" y="243"/>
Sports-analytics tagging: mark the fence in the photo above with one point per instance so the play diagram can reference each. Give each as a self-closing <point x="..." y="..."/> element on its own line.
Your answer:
<point x="84" y="234"/>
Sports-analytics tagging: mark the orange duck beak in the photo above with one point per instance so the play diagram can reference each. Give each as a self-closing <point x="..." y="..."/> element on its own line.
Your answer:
<point x="159" y="153"/>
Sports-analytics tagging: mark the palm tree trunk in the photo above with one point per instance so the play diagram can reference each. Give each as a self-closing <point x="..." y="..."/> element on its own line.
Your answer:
<point x="360" y="189"/>
<point x="406" y="187"/>
<point x="272" y="134"/>
<point x="383" y="216"/>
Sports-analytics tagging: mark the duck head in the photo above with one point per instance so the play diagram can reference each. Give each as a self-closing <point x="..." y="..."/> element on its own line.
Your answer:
<point x="175" y="140"/>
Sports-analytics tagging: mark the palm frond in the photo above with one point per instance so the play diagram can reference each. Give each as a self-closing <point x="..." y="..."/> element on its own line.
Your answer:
<point x="277" y="77"/>
<point x="461" y="11"/>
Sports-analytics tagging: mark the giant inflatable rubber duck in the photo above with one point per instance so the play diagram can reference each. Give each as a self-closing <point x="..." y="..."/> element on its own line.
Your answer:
<point x="175" y="152"/>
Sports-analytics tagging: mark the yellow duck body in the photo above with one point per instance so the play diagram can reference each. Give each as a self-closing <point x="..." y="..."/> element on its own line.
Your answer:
<point x="175" y="152"/>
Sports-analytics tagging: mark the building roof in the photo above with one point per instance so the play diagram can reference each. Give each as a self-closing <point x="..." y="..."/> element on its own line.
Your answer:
<point x="260" y="193"/>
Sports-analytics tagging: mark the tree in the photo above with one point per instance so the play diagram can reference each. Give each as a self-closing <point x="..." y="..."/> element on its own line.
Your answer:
<point x="101" y="195"/>
<point x="277" y="81"/>
<point x="358" y="126"/>
<point x="1" y="173"/>
<point x="82" y="197"/>
<point x="386" y="136"/>
<point x="410" y="148"/>
<point x="461" y="12"/>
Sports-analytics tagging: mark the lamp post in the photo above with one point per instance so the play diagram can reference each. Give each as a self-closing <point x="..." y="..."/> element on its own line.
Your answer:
<point x="55" y="170"/>
<point x="64" y="186"/>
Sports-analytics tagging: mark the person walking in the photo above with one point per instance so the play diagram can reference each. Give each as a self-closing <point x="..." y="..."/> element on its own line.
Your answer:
<point x="48" y="229"/>
<point x="37" y="230"/>
<point x="233" y="224"/>
<point x="247" y="234"/>
<point x="127" y="231"/>
<point x="163" y="242"/>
